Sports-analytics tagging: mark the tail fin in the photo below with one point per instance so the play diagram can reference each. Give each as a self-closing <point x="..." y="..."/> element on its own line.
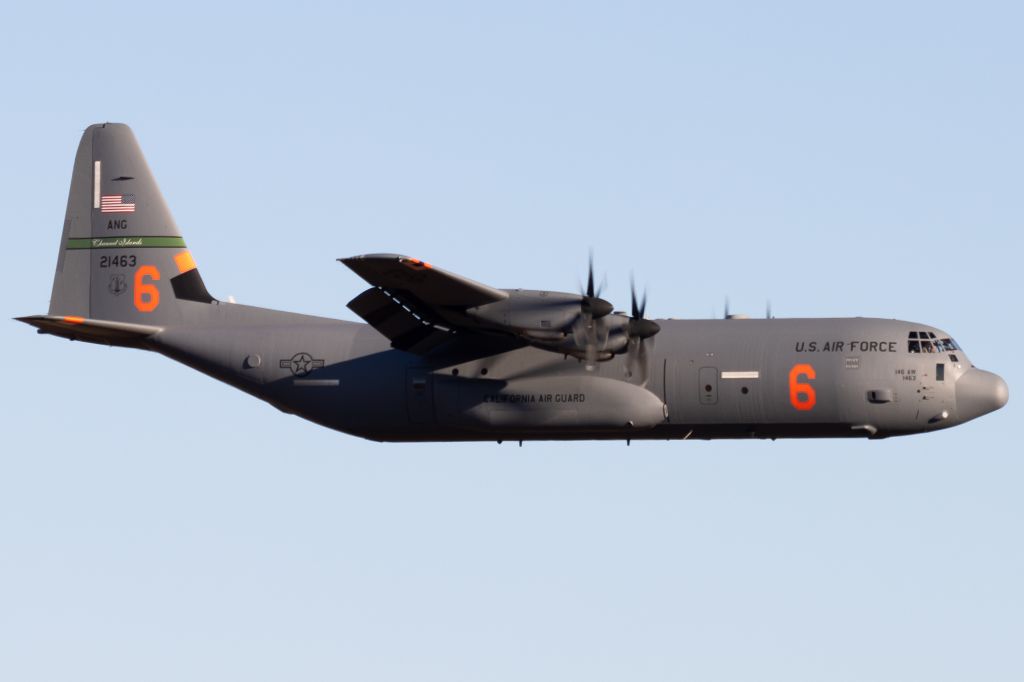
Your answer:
<point x="122" y="258"/>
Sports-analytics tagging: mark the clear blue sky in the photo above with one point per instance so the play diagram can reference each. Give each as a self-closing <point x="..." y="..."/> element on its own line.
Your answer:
<point x="854" y="159"/>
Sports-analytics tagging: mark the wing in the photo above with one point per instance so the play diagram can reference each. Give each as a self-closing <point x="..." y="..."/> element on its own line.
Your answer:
<point x="419" y="306"/>
<point x="413" y="303"/>
<point x="428" y="283"/>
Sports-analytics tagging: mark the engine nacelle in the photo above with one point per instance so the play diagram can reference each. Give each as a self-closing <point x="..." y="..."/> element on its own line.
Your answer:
<point x="538" y="311"/>
<point x="559" y="322"/>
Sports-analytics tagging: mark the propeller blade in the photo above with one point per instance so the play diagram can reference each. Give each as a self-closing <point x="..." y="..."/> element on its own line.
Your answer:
<point x="638" y="365"/>
<point x="639" y="326"/>
<point x="592" y="304"/>
<point x="601" y="333"/>
<point x="590" y="276"/>
<point x="642" y="359"/>
<point x="634" y="308"/>
<point x="579" y="332"/>
<point x="591" y="292"/>
<point x="640" y="330"/>
<point x="584" y="335"/>
<point x="638" y="308"/>
<point x="590" y="352"/>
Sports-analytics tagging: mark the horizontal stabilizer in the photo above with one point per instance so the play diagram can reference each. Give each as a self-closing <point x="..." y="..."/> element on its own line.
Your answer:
<point x="94" y="331"/>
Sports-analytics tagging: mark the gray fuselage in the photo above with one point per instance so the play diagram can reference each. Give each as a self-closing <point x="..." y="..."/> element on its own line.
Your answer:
<point x="736" y="378"/>
<point x="443" y="357"/>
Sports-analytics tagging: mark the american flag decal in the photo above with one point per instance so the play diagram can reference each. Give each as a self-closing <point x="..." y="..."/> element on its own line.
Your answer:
<point x="117" y="203"/>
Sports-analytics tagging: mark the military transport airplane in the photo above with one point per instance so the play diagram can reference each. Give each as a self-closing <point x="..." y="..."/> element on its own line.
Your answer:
<point x="445" y="358"/>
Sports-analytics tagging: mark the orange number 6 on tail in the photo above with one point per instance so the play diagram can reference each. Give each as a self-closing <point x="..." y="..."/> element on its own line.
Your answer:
<point x="147" y="296"/>
<point x="801" y="394"/>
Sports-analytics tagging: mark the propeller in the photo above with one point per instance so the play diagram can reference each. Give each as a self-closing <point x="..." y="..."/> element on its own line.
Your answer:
<point x="592" y="303"/>
<point x="639" y="329"/>
<point x="602" y="334"/>
<point x="587" y="331"/>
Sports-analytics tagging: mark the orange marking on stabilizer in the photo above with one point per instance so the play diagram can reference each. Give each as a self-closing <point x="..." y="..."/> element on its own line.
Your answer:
<point x="185" y="262"/>
<point x="74" y="319"/>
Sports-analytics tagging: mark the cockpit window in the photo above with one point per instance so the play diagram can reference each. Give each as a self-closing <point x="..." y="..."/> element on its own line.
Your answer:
<point x="928" y="342"/>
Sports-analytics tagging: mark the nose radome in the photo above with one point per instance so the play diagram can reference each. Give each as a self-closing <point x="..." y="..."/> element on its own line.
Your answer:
<point x="979" y="392"/>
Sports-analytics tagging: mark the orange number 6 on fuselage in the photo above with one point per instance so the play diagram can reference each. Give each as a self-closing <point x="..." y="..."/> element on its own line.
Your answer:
<point x="147" y="296"/>
<point x="801" y="394"/>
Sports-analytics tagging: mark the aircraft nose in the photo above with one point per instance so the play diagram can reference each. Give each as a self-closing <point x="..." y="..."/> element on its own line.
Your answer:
<point x="979" y="392"/>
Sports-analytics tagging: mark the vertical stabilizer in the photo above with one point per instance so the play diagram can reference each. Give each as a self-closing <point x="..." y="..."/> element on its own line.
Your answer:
<point x="122" y="257"/>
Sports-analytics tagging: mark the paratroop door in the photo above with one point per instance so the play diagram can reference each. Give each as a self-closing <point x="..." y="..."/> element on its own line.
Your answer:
<point x="708" y="385"/>
<point x="419" y="392"/>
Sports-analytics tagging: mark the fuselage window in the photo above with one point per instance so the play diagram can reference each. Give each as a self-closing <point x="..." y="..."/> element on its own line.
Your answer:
<point x="940" y="372"/>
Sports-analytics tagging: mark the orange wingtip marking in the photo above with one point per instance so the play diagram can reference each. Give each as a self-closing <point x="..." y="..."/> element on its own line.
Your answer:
<point x="74" y="319"/>
<point x="185" y="262"/>
<point x="417" y="263"/>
